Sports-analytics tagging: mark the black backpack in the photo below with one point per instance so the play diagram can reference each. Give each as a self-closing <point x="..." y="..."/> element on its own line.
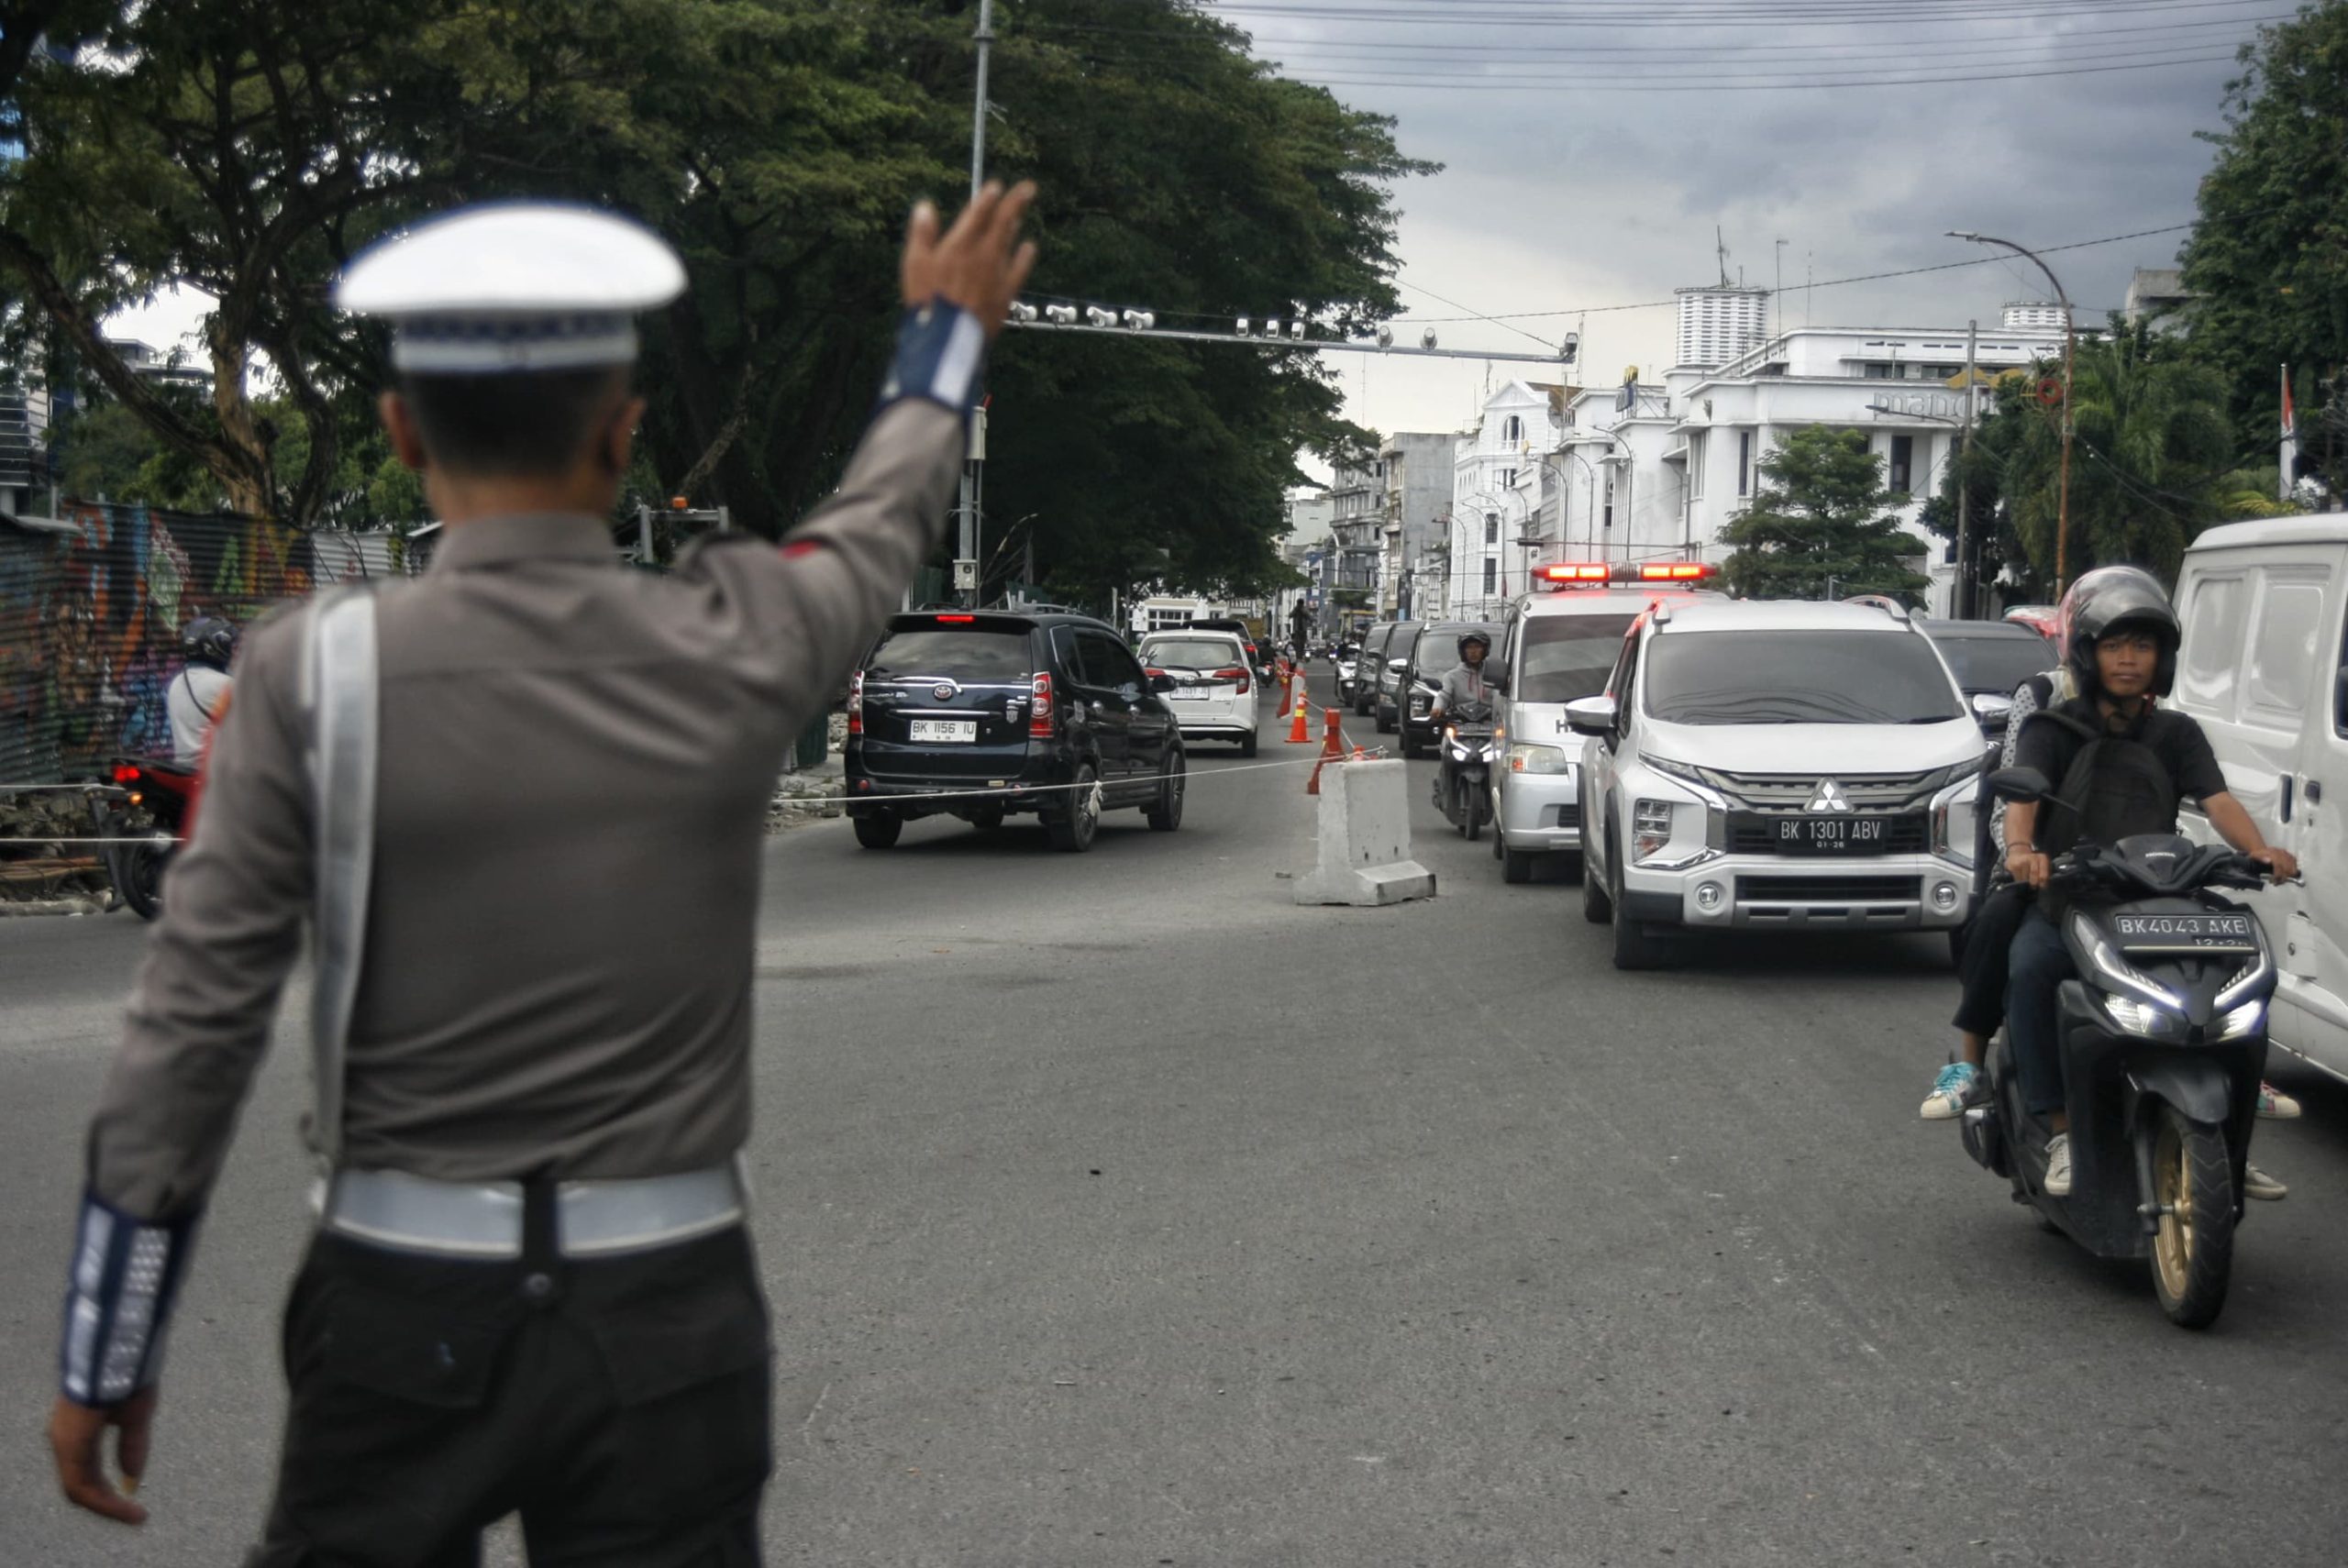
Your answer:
<point x="2115" y="788"/>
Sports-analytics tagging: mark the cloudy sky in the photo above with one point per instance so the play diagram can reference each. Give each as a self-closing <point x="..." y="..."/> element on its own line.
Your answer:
<point x="1591" y="146"/>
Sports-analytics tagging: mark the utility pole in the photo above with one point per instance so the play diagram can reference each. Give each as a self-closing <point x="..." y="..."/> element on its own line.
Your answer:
<point x="1963" y="608"/>
<point x="967" y="540"/>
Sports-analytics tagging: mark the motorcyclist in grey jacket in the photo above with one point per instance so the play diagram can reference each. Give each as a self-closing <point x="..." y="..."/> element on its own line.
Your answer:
<point x="1465" y="693"/>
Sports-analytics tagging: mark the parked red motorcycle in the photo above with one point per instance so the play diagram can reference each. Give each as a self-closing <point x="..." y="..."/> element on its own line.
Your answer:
<point x="145" y="818"/>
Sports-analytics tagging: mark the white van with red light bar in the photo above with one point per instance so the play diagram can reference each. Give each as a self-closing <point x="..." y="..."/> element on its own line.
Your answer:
<point x="1774" y="767"/>
<point x="1559" y="644"/>
<point x="1214" y="695"/>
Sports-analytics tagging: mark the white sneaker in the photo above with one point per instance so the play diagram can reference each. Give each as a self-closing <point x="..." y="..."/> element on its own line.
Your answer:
<point x="2257" y="1183"/>
<point x="1950" y="1091"/>
<point x="2058" y="1165"/>
<point x="2274" y="1105"/>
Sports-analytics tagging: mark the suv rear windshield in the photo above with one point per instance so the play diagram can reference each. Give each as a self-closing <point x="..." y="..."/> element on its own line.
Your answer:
<point x="1562" y="658"/>
<point x="972" y="654"/>
<point x="1191" y="653"/>
<point x="1995" y="664"/>
<point x="1796" y="677"/>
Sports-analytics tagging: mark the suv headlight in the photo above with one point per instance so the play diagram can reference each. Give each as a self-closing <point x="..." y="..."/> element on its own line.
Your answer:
<point x="1650" y="828"/>
<point x="1524" y="757"/>
<point x="1953" y="821"/>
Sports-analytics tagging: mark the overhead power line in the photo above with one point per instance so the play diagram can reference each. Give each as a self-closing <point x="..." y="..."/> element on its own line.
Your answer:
<point x="1653" y="84"/>
<point x="1416" y="46"/>
<point x="1508" y="315"/>
<point x="1593" y="14"/>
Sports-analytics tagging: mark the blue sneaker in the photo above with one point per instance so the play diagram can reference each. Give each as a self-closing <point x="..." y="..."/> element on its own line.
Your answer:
<point x="1950" y="1091"/>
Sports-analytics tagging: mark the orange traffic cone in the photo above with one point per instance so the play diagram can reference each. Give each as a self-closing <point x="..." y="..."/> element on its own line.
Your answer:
<point x="1333" y="749"/>
<point x="1288" y="692"/>
<point x="1297" y="734"/>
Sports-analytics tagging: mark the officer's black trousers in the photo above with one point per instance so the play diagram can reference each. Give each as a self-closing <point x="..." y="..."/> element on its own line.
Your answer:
<point x="619" y="1406"/>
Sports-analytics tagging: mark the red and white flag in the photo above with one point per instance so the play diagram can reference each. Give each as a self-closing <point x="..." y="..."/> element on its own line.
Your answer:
<point x="2290" y="449"/>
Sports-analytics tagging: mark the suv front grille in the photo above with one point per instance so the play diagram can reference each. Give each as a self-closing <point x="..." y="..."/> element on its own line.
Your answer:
<point x="1792" y="791"/>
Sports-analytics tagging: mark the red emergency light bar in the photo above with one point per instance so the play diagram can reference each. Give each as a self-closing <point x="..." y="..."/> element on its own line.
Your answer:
<point x="1587" y="574"/>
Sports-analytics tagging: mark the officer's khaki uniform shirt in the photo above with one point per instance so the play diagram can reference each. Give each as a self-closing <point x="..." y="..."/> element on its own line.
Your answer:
<point x="576" y="759"/>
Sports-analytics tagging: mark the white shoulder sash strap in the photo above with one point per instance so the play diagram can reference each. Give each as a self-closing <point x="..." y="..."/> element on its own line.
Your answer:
<point x="341" y="678"/>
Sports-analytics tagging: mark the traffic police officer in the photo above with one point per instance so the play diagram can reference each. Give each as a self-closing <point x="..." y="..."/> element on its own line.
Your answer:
<point x="521" y="799"/>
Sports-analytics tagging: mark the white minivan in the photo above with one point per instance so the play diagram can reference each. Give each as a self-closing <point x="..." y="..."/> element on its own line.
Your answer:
<point x="2263" y="669"/>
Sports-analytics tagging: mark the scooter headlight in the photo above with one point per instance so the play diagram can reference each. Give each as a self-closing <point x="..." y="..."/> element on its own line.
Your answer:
<point x="2141" y="1018"/>
<point x="2244" y="1020"/>
<point x="2116" y="973"/>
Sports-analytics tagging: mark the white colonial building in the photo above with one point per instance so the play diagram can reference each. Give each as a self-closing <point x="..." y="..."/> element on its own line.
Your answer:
<point x="1504" y="493"/>
<point x="1655" y="471"/>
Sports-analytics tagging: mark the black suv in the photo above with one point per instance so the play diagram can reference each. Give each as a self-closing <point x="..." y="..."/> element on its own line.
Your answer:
<point x="1383" y="688"/>
<point x="1434" y="654"/>
<point x="1365" y="667"/>
<point x="979" y="714"/>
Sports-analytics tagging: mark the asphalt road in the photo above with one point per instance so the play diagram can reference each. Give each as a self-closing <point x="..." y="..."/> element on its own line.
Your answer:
<point x="1117" y="1211"/>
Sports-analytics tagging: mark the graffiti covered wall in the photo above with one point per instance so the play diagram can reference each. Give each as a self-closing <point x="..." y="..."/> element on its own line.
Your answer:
<point x="90" y="620"/>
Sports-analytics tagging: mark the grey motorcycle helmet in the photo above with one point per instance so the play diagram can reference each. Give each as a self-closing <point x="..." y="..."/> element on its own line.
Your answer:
<point x="210" y="640"/>
<point x="1477" y="638"/>
<point x="2106" y="601"/>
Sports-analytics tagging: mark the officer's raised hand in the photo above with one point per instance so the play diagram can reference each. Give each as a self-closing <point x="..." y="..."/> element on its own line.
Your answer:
<point x="976" y="265"/>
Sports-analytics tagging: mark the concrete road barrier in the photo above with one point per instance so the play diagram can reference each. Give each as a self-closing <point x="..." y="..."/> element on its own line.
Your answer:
<point x="1364" y="853"/>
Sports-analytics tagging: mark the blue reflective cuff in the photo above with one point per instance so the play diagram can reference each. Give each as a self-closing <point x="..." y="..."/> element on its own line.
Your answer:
<point x="119" y="1300"/>
<point x="941" y="349"/>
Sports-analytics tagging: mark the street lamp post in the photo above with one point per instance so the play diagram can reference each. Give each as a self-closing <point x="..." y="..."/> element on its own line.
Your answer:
<point x="2070" y="341"/>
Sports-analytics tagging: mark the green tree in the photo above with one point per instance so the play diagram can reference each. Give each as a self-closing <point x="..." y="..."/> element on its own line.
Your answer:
<point x="247" y="146"/>
<point x="236" y="146"/>
<point x="2149" y="443"/>
<point x="1822" y="525"/>
<point x="2267" y="261"/>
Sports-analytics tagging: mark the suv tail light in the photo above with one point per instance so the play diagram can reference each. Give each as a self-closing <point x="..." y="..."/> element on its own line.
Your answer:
<point x="1043" y="717"/>
<point x="1238" y="675"/>
<point x="856" y="703"/>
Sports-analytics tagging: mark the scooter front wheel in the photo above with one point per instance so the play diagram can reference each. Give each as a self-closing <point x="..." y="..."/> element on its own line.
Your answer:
<point x="2193" y="1247"/>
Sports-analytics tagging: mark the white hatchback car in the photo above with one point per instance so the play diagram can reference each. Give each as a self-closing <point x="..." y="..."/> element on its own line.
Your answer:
<point x="1214" y="696"/>
<point x="1760" y="766"/>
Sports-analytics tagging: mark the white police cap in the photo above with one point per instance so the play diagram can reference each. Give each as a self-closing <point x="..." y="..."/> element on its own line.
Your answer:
<point x="512" y="287"/>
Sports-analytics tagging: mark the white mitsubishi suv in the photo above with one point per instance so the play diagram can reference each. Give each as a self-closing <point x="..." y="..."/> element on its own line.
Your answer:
<point x="1774" y="767"/>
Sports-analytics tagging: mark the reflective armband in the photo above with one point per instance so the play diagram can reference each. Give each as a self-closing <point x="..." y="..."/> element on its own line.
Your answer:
<point x="940" y="351"/>
<point x="118" y="1302"/>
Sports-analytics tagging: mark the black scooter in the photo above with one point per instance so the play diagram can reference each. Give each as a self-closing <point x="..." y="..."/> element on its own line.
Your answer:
<point x="1462" y="784"/>
<point x="2163" y="1042"/>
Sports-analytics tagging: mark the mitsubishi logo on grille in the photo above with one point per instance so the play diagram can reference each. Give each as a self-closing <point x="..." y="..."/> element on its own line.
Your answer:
<point x="1829" y="797"/>
<point x="944" y="691"/>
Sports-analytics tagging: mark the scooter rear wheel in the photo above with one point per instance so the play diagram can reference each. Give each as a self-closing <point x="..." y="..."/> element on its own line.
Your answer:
<point x="2193" y="1248"/>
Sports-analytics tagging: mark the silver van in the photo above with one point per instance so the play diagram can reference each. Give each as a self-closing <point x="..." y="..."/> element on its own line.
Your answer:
<point x="1559" y="644"/>
<point x="2264" y="670"/>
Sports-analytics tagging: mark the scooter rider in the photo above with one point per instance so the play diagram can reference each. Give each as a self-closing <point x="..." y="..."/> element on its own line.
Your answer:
<point x="2121" y="652"/>
<point x="1981" y="1007"/>
<point x="1465" y="694"/>
<point x="200" y="691"/>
